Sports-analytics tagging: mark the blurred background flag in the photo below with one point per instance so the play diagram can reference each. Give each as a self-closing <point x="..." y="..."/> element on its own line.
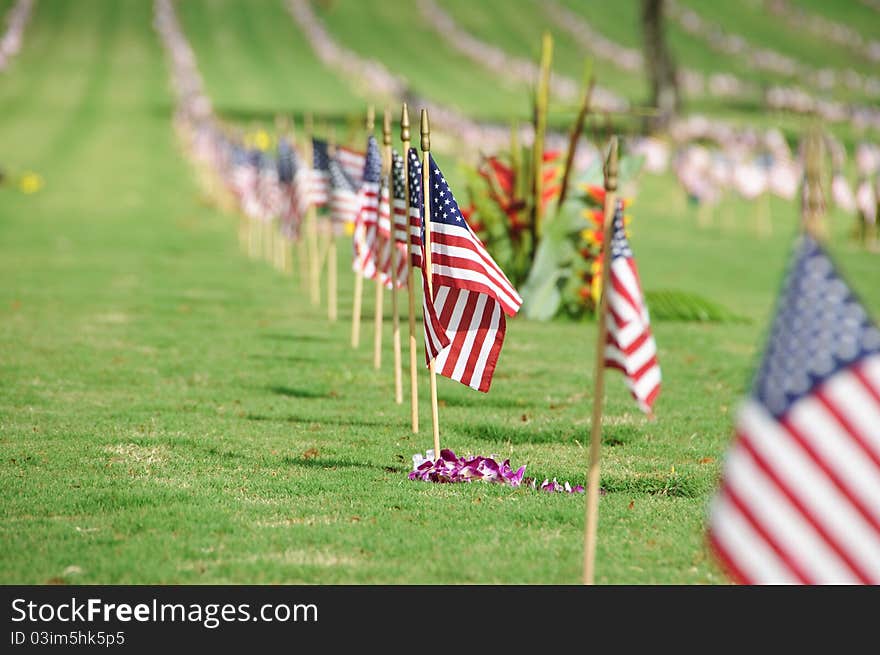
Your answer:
<point x="799" y="500"/>
<point x="366" y="225"/>
<point x="352" y="163"/>
<point x="344" y="201"/>
<point x="465" y="324"/>
<point x="629" y="345"/>
<point x="320" y="173"/>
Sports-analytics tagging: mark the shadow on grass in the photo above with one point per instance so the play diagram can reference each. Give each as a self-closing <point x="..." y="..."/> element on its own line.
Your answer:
<point x="672" y="484"/>
<point x="518" y="435"/>
<point x="488" y="401"/>
<point x="290" y="359"/>
<point x="618" y="435"/>
<point x="293" y="392"/>
<point x="282" y="336"/>
<point x="306" y="420"/>
<point x="330" y="464"/>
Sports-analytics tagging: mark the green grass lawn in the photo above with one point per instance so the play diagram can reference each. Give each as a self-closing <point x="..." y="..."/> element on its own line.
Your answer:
<point x="174" y="412"/>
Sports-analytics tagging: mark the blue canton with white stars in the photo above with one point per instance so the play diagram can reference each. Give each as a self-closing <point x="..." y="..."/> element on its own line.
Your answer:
<point x="285" y="161"/>
<point x="415" y="180"/>
<point x="444" y="208"/>
<point x="819" y="329"/>
<point x="398" y="182"/>
<point x="338" y="177"/>
<point x="372" y="162"/>
<point x="320" y="158"/>
<point x="619" y="242"/>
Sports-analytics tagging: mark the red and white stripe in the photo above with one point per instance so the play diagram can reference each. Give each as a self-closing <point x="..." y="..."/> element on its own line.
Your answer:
<point x="319" y="187"/>
<point x="800" y="495"/>
<point x="465" y="324"/>
<point x="630" y="345"/>
<point x="352" y="163"/>
<point x="366" y="231"/>
<point x="344" y="205"/>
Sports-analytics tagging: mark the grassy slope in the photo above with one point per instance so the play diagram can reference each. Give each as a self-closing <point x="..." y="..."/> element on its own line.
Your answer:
<point x="161" y="390"/>
<point x="750" y="19"/>
<point x="855" y="15"/>
<point x="395" y="35"/>
<point x="257" y="64"/>
<point x="516" y="27"/>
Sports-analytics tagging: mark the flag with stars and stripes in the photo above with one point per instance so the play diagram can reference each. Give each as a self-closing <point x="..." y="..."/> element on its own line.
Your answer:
<point x="320" y="173"/>
<point x="344" y="198"/>
<point x="352" y="163"/>
<point x="464" y="318"/>
<point x="629" y="345"/>
<point x="799" y="500"/>
<point x="365" y="237"/>
<point x="399" y="219"/>
<point x="294" y="192"/>
<point x="415" y="208"/>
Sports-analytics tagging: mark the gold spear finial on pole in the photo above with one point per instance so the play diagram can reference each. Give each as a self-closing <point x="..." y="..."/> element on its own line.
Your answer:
<point x="404" y="124"/>
<point x="426" y="132"/>
<point x="371" y="118"/>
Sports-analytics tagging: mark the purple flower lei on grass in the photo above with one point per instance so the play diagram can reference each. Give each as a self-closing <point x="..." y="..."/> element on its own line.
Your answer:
<point x="449" y="468"/>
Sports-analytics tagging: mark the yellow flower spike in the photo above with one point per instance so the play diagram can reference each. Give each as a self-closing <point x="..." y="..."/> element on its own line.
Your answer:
<point x="349" y="229"/>
<point x="30" y="183"/>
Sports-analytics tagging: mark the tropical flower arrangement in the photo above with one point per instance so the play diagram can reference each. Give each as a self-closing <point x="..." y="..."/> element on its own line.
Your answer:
<point x="565" y="278"/>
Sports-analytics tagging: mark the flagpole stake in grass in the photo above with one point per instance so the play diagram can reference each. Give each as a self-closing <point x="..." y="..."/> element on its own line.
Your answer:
<point x="812" y="198"/>
<point x="426" y="223"/>
<point x="358" y="278"/>
<point x="410" y="282"/>
<point x="312" y="221"/>
<point x="380" y="284"/>
<point x="332" y="309"/>
<point x="592" y="516"/>
<point x="395" y="261"/>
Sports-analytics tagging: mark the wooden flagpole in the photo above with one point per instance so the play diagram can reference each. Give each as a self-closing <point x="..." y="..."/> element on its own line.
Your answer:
<point x="312" y="220"/>
<point x="358" y="278"/>
<point x="395" y="262"/>
<point x="592" y="517"/>
<point x="301" y="255"/>
<point x="426" y="222"/>
<point x="332" y="294"/>
<point x="410" y="282"/>
<point x="812" y="199"/>
<point x="380" y="284"/>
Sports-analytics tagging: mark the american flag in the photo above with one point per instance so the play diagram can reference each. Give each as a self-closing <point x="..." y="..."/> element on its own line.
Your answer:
<point x="366" y="225"/>
<point x="352" y="163"/>
<point x="799" y="500"/>
<point x="383" y="234"/>
<point x="285" y="161"/>
<point x="629" y="345"/>
<point x="415" y="208"/>
<point x="399" y="214"/>
<point x="465" y="324"/>
<point x="294" y="197"/>
<point x="320" y="173"/>
<point x="344" y="198"/>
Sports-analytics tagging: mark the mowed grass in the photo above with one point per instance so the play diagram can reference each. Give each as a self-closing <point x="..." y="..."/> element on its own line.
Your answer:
<point x="173" y="412"/>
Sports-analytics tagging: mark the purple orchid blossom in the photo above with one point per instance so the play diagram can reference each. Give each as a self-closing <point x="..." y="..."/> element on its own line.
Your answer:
<point x="449" y="468"/>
